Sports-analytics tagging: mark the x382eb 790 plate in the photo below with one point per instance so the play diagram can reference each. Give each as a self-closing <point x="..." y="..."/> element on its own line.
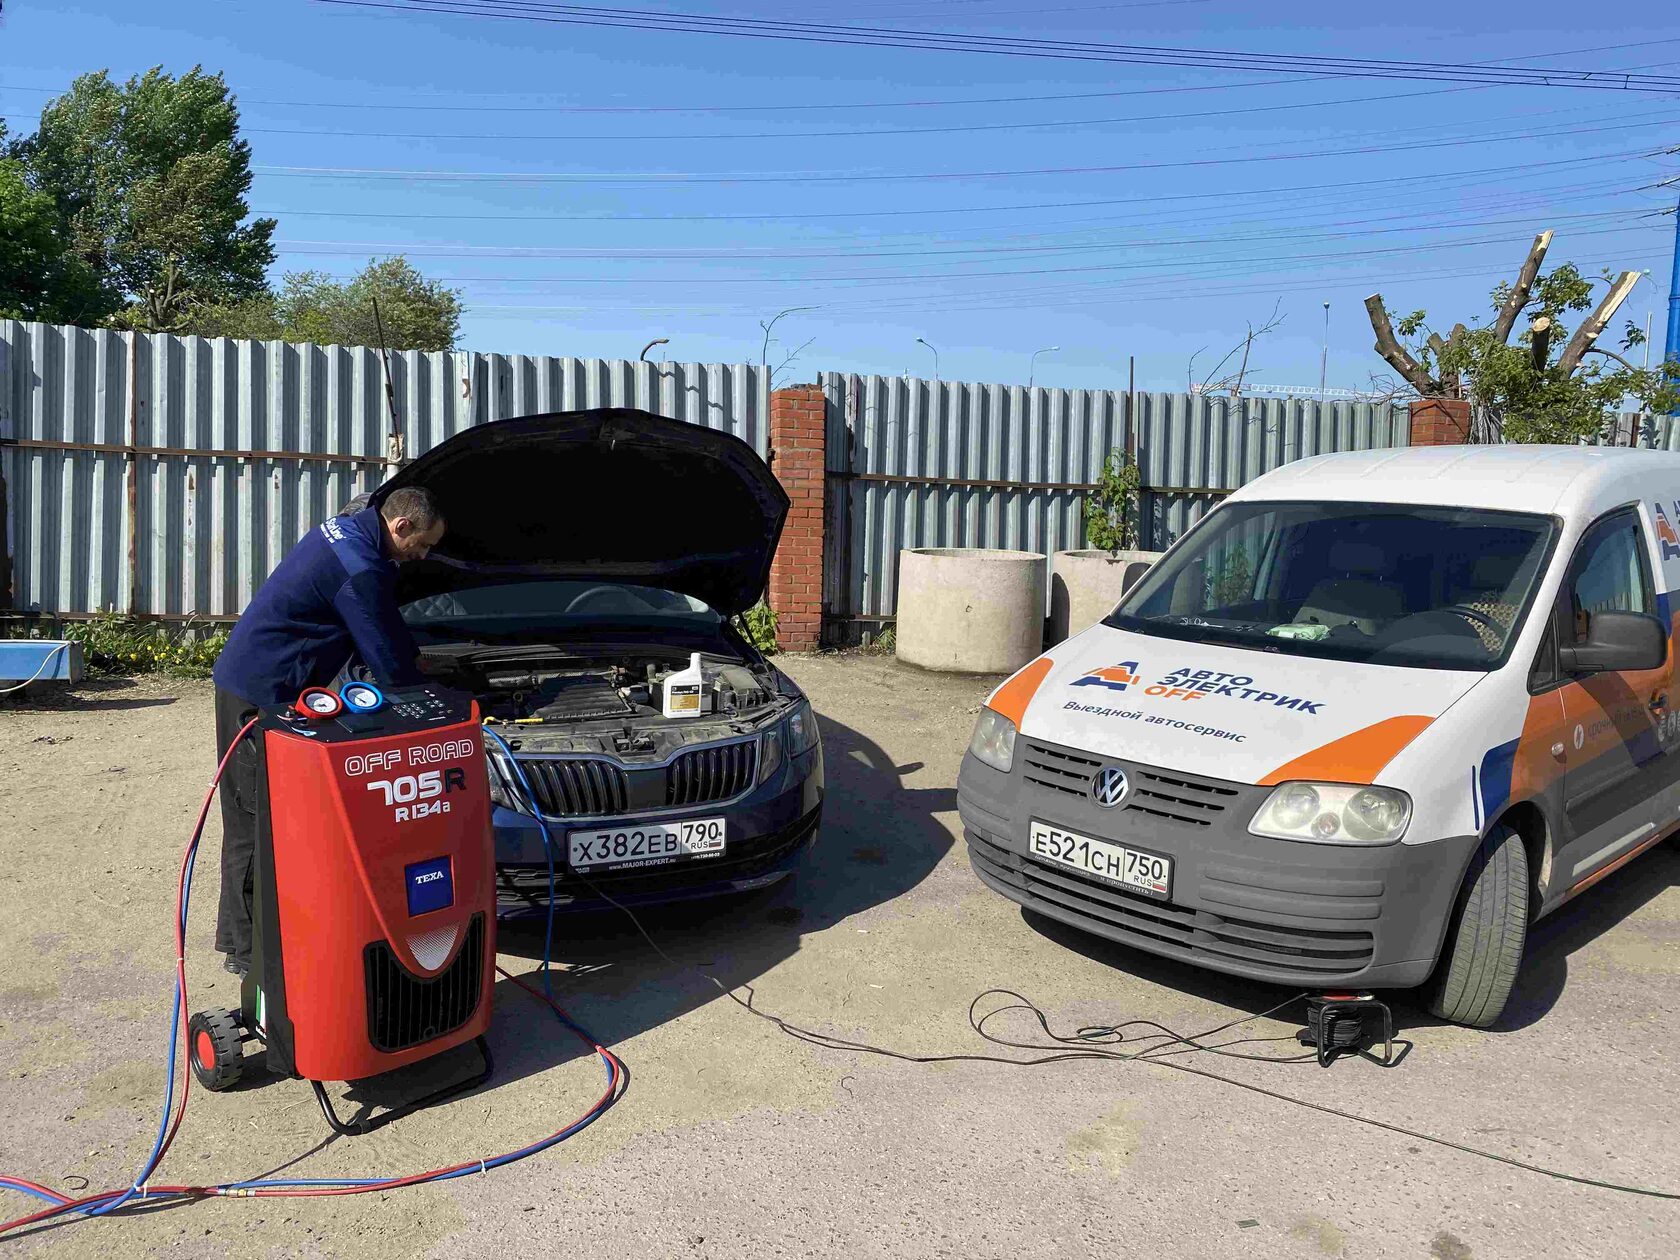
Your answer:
<point x="653" y="844"/>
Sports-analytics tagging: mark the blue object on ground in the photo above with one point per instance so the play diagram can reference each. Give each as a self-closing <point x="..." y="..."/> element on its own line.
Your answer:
<point x="22" y="660"/>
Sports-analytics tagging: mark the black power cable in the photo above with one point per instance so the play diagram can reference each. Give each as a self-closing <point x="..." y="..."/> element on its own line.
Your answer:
<point x="650" y="20"/>
<point x="1101" y="1042"/>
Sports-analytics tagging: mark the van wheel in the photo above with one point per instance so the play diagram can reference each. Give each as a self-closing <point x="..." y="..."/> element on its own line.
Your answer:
<point x="1484" y="944"/>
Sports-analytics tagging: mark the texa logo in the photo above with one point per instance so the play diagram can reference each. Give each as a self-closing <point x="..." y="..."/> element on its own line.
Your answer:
<point x="1110" y="787"/>
<point x="1114" y="677"/>
<point x="1666" y="537"/>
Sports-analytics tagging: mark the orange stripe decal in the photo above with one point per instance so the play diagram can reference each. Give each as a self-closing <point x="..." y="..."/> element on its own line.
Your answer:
<point x="1355" y="758"/>
<point x="1013" y="697"/>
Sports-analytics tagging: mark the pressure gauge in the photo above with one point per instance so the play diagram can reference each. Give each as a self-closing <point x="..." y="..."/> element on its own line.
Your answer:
<point x="361" y="697"/>
<point x="317" y="703"/>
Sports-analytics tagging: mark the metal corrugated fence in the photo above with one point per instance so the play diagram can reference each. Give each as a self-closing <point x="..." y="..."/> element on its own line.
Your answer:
<point x="917" y="463"/>
<point x="168" y="475"/>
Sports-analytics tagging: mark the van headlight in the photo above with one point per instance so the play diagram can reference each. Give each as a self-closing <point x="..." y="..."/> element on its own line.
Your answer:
<point x="1334" y="813"/>
<point x="994" y="740"/>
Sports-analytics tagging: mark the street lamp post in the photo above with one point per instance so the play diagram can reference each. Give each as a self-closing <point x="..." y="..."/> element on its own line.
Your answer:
<point x="1324" y="358"/>
<point x="930" y="346"/>
<point x="1032" y="363"/>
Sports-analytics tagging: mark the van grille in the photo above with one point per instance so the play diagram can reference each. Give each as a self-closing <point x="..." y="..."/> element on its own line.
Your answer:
<point x="1168" y="794"/>
<point x="711" y="774"/>
<point x="404" y="1011"/>
<point x="1179" y="931"/>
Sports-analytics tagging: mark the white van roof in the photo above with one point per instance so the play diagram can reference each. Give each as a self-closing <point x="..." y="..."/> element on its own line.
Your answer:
<point x="1567" y="481"/>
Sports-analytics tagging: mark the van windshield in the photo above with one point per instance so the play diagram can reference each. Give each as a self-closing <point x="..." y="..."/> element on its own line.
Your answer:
<point x="1389" y="584"/>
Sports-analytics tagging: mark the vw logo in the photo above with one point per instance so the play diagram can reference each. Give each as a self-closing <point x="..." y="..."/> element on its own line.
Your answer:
<point x="1110" y="787"/>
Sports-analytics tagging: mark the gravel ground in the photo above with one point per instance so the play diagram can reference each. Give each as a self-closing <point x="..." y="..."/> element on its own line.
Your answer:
<point x="737" y="1140"/>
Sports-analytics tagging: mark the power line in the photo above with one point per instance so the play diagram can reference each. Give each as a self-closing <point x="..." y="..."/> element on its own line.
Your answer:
<point x="1373" y="186"/>
<point x="1019" y="47"/>
<point x="868" y="278"/>
<point x="878" y="132"/>
<point x="829" y="177"/>
<point x="750" y="254"/>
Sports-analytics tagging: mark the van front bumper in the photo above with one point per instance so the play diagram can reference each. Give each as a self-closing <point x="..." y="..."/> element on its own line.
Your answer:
<point x="1280" y="911"/>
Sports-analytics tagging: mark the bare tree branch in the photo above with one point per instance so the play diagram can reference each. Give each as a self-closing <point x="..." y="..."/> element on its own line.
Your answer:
<point x="1611" y="354"/>
<point x="776" y="371"/>
<point x="1213" y="382"/>
<point x="1540" y="341"/>
<point x="764" y="350"/>
<point x="1517" y="298"/>
<point x="1597" y="322"/>
<point x="1397" y="354"/>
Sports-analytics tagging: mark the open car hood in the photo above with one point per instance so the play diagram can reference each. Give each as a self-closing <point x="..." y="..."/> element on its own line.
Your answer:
<point x="612" y="493"/>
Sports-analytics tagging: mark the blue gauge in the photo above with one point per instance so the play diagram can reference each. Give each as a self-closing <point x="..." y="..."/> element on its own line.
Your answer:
<point x="360" y="697"/>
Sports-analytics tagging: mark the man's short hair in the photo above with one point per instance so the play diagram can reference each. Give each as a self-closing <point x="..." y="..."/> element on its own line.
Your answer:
<point x="417" y="503"/>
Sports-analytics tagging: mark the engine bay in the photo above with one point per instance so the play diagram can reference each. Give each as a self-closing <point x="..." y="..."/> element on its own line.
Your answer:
<point x="564" y="699"/>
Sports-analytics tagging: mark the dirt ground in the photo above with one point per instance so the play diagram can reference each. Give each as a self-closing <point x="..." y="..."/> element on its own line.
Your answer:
<point x="737" y="1140"/>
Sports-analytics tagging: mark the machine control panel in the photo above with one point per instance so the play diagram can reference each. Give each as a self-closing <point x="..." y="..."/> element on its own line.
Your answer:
<point x="403" y="710"/>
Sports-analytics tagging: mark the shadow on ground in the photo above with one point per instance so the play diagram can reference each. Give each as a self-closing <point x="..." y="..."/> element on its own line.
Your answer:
<point x="878" y="840"/>
<point x="1540" y="983"/>
<point x="91" y="695"/>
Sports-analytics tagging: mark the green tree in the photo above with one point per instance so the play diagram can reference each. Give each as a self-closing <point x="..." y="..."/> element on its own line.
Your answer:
<point x="1111" y="510"/>
<point x="417" y="313"/>
<point x="39" y="277"/>
<point x="1553" y="382"/>
<point x="150" y="179"/>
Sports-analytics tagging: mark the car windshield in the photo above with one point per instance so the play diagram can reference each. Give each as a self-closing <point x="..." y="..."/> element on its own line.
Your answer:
<point x="1389" y="584"/>
<point x="555" y="604"/>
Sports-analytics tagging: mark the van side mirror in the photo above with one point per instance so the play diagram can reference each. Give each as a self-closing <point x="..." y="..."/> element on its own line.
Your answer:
<point x="1135" y="569"/>
<point x="1617" y="641"/>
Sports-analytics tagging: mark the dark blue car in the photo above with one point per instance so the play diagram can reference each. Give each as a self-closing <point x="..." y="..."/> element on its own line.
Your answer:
<point x="590" y="556"/>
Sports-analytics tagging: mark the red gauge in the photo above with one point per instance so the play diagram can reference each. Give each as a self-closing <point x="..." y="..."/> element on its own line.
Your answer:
<point x="317" y="703"/>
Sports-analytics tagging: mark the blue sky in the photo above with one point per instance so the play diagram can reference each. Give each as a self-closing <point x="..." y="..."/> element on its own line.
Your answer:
<point x="598" y="187"/>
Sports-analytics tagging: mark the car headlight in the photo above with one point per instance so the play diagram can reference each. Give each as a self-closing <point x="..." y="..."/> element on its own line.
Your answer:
<point x="802" y="733"/>
<point x="770" y="752"/>
<point x="994" y="740"/>
<point x="501" y="792"/>
<point x="1334" y="813"/>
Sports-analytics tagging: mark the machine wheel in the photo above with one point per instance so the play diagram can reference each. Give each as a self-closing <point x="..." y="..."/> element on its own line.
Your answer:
<point x="1484" y="944"/>
<point x="218" y="1054"/>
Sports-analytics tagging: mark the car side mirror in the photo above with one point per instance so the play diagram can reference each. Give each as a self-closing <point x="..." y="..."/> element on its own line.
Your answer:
<point x="1617" y="641"/>
<point x="1135" y="569"/>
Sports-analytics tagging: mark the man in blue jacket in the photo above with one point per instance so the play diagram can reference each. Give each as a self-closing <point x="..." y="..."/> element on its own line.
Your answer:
<point x="331" y="602"/>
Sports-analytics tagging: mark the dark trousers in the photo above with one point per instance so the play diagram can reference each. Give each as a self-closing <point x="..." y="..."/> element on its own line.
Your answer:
<point x="239" y="825"/>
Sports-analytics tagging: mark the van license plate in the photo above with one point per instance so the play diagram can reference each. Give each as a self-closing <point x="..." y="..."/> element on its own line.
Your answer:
<point x="1115" y="863"/>
<point x="651" y="845"/>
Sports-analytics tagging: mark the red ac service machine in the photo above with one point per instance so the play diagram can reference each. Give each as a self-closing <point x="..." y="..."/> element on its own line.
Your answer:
<point x="374" y="894"/>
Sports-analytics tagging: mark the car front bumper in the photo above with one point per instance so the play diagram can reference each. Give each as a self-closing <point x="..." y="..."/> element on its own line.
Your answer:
<point x="1279" y="911"/>
<point x="767" y="834"/>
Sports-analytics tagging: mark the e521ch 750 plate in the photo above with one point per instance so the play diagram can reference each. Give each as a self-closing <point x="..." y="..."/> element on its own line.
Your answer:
<point x="1147" y="873"/>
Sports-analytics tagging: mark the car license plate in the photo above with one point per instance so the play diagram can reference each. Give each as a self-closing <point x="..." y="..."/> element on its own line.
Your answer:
<point x="652" y="845"/>
<point x="1143" y="872"/>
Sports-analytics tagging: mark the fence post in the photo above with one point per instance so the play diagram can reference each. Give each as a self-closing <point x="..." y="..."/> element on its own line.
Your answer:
<point x="797" y="456"/>
<point x="1440" y="421"/>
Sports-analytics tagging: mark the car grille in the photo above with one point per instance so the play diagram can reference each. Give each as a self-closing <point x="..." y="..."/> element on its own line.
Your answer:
<point x="711" y="774"/>
<point x="1178" y="931"/>
<point x="404" y="1011"/>
<point x="597" y="787"/>
<point x="1166" y="794"/>
<point x="582" y="787"/>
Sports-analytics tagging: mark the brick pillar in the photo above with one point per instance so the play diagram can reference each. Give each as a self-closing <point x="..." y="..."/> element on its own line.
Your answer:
<point x="797" y="420"/>
<point x="1440" y="422"/>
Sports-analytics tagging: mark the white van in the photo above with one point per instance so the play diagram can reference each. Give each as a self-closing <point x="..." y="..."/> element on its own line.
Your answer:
<point x="1358" y="728"/>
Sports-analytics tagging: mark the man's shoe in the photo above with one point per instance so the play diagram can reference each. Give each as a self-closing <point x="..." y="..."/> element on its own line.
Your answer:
<point x="237" y="967"/>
